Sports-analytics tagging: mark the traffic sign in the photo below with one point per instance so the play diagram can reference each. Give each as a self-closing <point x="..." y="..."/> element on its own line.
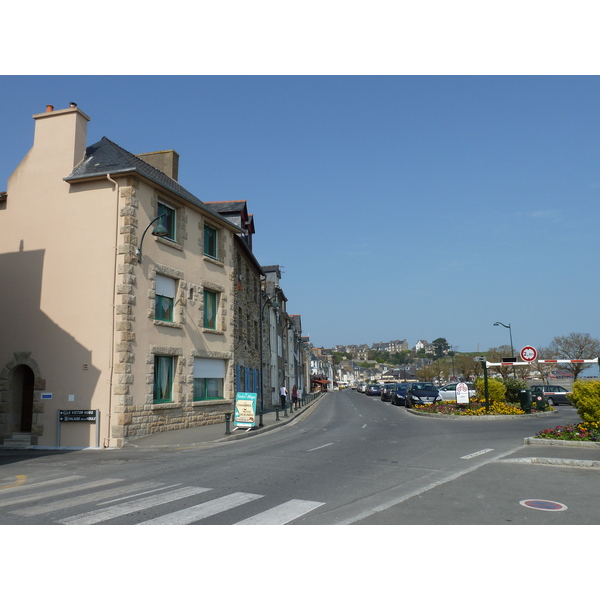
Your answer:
<point x="529" y="354"/>
<point x="462" y="393"/>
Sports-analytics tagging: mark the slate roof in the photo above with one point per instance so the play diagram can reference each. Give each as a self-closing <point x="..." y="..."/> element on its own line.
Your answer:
<point x="107" y="158"/>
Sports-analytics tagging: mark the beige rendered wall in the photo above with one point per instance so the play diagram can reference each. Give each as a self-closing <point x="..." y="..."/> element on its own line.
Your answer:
<point x="57" y="251"/>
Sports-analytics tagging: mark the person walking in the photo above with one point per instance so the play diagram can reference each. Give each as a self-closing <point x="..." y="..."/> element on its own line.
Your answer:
<point x="282" y="395"/>
<point x="295" y="397"/>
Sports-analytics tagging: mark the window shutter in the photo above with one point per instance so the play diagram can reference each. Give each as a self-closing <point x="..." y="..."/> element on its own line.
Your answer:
<point x="165" y="286"/>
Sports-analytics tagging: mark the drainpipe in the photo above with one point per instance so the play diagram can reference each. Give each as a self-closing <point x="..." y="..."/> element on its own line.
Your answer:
<point x="111" y="365"/>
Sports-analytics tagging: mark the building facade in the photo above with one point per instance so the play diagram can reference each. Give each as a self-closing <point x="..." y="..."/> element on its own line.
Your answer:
<point x="97" y="313"/>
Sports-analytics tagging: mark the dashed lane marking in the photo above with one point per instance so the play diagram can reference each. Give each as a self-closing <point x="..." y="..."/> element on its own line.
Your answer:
<point x="467" y="456"/>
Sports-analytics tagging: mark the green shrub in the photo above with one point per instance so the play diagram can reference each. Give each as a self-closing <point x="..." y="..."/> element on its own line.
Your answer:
<point x="586" y="398"/>
<point x="512" y="389"/>
<point x="496" y="389"/>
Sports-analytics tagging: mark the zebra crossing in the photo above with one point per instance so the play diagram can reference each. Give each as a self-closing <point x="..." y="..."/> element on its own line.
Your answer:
<point x="73" y="500"/>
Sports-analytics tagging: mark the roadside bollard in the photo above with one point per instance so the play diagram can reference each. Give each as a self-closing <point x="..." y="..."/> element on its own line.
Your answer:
<point x="227" y="421"/>
<point x="285" y="410"/>
<point x="277" y="413"/>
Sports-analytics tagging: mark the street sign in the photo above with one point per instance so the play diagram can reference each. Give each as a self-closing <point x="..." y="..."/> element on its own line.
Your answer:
<point x="245" y="410"/>
<point x="78" y="416"/>
<point x="529" y="354"/>
<point x="462" y="393"/>
<point x="479" y="358"/>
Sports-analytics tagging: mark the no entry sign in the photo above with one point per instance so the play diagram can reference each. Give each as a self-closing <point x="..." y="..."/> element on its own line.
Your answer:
<point x="528" y="354"/>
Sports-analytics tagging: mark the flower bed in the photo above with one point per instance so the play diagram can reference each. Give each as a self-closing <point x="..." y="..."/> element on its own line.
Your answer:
<point x="475" y="408"/>
<point x="579" y="432"/>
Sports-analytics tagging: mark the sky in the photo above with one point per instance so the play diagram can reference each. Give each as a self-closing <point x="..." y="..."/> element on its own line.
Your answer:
<point x="428" y="199"/>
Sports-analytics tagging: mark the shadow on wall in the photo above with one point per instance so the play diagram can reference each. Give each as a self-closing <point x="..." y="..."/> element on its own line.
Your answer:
<point x="37" y="357"/>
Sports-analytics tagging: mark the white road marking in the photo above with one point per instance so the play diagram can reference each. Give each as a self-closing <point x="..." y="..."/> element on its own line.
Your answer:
<point x="202" y="511"/>
<point x="154" y="491"/>
<point x="85" y="498"/>
<point x="104" y="514"/>
<point x="319" y="447"/>
<point x="467" y="456"/>
<point x="394" y="496"/>
<point x="59" y="492"/>
<point x="29" y="486"/>
<point x="282" y="514"/>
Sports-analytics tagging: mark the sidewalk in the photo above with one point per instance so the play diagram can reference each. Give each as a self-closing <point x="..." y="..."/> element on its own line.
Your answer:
<point x="207" y="434"/>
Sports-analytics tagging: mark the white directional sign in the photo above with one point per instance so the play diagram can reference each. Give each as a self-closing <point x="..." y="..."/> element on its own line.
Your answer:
<point x="462" y="393"/>
<point x="529" y="353"/>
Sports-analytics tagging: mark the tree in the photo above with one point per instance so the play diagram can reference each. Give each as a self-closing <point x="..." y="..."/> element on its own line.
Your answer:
<point x="575" y="346"/>
<point x="440" y="347"/>
<point x="465" y="367"/>
<point x="495" y="355"/>
<point x="544" y="368"/>
<point x="427" y="372"/>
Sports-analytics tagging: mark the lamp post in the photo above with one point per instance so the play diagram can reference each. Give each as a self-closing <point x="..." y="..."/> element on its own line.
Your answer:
<point x="273" y="302"/>
<point x="158" y="231"/>
<point x="512" y="351"/>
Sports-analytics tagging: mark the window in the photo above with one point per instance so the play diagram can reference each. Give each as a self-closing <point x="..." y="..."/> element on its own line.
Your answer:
<point x="165" y="298"/>
<point x="163" y="379"/>
<point x="210" y="309"/>
<point x="210" y="241"/>
<point x="209" y="376"/>
<point x="168" y="220"/>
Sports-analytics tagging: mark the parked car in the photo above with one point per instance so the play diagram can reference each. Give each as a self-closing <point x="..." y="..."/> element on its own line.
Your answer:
<point x="399" y="395"/>
<point x="448" y="391"/>
<point x="373" y="390"/>
<point x="553" y="394"/>
<point x="387" y="391"/>
<point x="362" y="387"/>
<point x="421" y="392"/>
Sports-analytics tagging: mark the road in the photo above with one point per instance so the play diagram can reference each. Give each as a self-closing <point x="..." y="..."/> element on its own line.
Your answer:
<point x="351" y="459"/>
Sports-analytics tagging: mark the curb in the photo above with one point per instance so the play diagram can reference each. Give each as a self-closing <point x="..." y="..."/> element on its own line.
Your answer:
<point x="478" y="417"/>
<point x="258" y="430"/>
<point x="533" y="441"/>
<point x="555" y="462"/>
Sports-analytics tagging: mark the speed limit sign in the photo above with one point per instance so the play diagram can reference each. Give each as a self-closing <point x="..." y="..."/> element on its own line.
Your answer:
<point x="529" y="354"/>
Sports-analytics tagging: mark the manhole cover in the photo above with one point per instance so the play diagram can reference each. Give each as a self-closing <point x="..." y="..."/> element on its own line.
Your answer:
<point x="543" y="505"/>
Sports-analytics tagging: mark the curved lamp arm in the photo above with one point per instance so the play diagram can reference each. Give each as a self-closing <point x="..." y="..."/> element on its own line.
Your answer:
<point x="159" y="231"/>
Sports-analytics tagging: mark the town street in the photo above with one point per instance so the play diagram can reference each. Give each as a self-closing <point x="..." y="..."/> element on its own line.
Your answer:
<point x="349" y="459"/>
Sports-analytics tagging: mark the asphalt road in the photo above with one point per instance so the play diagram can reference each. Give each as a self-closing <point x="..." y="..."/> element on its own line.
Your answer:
<point x="351" y="459"/>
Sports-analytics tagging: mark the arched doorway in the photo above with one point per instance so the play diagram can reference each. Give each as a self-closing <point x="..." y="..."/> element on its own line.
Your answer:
<point x="22" y="401"/>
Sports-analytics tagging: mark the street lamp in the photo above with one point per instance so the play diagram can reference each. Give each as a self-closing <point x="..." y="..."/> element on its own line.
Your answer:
<point x="273" y="302"/>
<point x="512" y="351"/>
<point x="158" y="231"/>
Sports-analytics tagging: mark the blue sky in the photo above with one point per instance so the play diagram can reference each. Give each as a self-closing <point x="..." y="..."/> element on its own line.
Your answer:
<point x="400" y="207"/>
<point x="419" y="170"/>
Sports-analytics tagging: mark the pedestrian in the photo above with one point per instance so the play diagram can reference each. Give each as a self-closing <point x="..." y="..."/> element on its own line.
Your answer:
<point x="299" y="396"/>
<point x="295" y="397"/>
<point x="282" y="395"/>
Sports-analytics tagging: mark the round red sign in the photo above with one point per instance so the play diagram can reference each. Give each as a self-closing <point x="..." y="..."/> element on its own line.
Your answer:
<point x="529" y="353"/>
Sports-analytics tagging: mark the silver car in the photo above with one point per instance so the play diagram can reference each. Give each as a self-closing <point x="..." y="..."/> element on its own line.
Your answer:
<point x="448" y="391"/>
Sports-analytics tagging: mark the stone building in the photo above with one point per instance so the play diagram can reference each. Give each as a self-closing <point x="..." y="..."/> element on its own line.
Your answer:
<point x="246" y="308"/>
<point x="95" y="315"/>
